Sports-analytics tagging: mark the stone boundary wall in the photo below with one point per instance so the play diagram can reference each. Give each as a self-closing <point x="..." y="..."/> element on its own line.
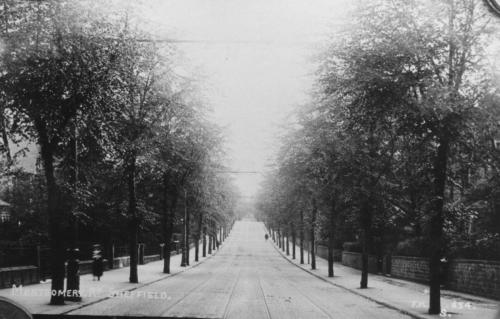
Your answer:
<point x="22" y="275"/>
<point x="478" y="277"/>
<point x="151" y="258"/>
<point x="352" y="259"/>
<point x="411" y="268"/>
<point x="322" y="251"/>
<point x="28" y="275"/>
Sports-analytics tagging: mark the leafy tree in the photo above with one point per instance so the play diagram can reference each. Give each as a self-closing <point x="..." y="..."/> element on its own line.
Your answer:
<point x="406" y="74"/>
<point x="54" y="70"/>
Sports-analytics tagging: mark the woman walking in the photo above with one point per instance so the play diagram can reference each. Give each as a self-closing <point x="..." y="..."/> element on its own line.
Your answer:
<point x="97" y="262"/>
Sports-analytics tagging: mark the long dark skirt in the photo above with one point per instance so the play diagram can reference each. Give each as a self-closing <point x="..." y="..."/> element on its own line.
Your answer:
<point x="97" y="267"/>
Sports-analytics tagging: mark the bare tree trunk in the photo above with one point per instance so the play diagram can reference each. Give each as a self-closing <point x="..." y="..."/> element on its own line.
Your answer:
<point x="5" y="139"/>
<point x="287" y="244"/>
<point x="3" y="123"/>
<point x="279" y="238"/>
<point x="283" y="235"/>
<point x="169" y="232"/>
<point x="440" y="167"/>
<point x="293" y="241"/>
<point x="198" y="237"/>
<point x="436" y="227"/>
<point x="301" y="235"/>
<point x="184" y="232"/>
<point x="313" y="241"/>
<point x="213" y="229"/>
<point x="366" y="220"/>
<point x="215" y="241"/>
<point x="133" y="219"/>
<point x="204" y="241"/>
<point x="188" y="234"/>
<point x="165" y="227"/>
<point x="55" y="216"/>
<point x="209" y="244"/>
<point x="331" y="242"/>
<point x="72" y="266"/>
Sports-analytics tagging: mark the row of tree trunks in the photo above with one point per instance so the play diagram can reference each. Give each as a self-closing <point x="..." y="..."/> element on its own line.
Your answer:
<point x="275" y="236"/>
<point x="283" y="240"/>
<point x="216" y="235"/>
<point x="201" y="234"/>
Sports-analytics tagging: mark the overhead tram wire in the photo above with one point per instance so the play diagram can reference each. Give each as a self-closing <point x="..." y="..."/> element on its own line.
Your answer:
<point x="237" y="172"/>
<point x="201" y="41"/>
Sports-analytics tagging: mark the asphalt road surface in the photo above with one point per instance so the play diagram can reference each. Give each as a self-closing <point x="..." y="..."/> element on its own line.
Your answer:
<point x="247" y="278"/>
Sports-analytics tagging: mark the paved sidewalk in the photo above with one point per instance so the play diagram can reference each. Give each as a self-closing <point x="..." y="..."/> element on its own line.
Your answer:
<point x="405" y="296"/>
<point x="35" y="297"/>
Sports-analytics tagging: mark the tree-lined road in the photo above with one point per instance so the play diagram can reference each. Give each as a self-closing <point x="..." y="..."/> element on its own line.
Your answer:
<point x="247" y="278"/>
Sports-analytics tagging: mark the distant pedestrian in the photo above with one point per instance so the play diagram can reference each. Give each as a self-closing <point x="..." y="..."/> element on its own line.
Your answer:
<point x="97" y="263"/>
<point x="266" y="236"/>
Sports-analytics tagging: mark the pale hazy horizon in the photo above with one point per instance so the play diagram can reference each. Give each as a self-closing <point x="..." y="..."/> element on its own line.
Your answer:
<point x="255" y="61"/>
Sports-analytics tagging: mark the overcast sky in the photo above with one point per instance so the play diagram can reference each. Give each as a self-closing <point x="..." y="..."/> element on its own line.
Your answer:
<point x="254" y="59"/>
